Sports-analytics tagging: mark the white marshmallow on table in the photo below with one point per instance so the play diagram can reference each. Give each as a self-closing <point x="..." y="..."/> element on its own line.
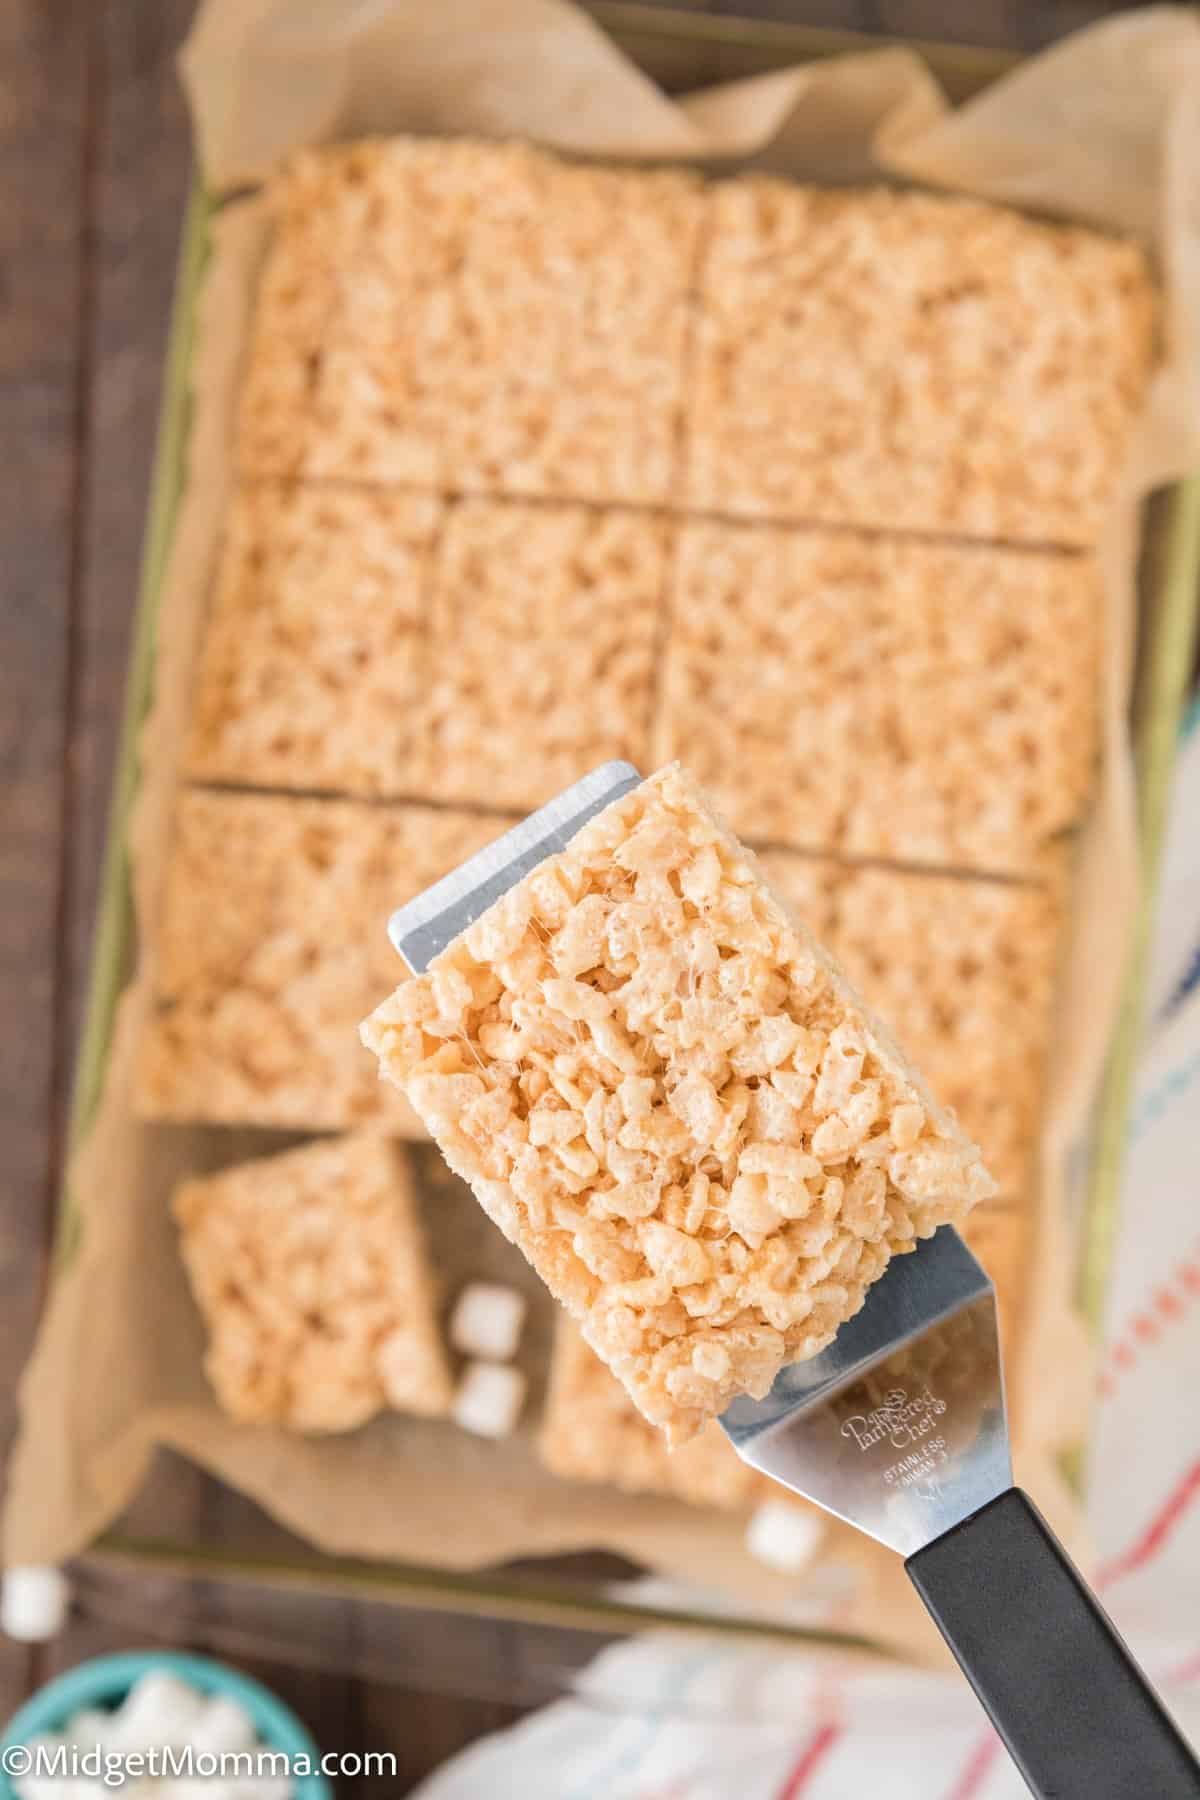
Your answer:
<point x="487" y="1321"/>
<point x="33" y="1603"/>
<point x="783" y="1535"/>
<point x="489" y="1399"/>
<point x="158" y="1710"/>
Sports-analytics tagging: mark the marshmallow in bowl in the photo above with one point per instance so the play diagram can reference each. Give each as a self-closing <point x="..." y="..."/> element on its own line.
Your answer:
<point x="224" y="1726"/>
<point x="160" y="1712"/>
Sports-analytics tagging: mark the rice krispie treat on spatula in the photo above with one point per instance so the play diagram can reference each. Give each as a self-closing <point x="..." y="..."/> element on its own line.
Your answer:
<point x="664" y="1091"/>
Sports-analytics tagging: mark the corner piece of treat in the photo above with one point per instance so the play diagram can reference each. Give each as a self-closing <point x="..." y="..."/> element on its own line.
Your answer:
<point x="310" y="1270"/>
<point x="663" y="1090"/>
<point x="591" y="1431"/>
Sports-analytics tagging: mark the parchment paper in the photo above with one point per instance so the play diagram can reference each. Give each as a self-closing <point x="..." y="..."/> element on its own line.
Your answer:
<point x="1106" y="129"/>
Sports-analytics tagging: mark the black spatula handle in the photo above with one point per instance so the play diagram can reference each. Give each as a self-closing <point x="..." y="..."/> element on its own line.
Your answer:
<point x="1079" y="1718"/>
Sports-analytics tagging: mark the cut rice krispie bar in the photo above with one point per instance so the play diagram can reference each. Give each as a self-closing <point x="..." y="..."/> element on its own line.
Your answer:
<point x="591" y="1431"/>
<point x="664" y="1092"/>
<point x="504" y="322"/>
<point x="884" y="697"/>
<point x="912" y="362"/>
<point x="318" y="207"/>
<point x="550" y="610"/>
<point x="963" y="970"/>
<point x="270" y="946"/>
<point x="309" y="673"/>
<point x="310" y="1271"/>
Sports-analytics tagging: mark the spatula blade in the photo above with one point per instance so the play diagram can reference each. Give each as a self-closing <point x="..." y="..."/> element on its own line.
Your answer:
<point x="899" y="1426"/>
<point x="423" y="928"/>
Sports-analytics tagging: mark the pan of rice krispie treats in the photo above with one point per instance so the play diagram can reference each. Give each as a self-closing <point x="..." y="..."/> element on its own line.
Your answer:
<point x="493" y="523"/>
<point x="795" y="495"/>
<point x="540" y="464"/>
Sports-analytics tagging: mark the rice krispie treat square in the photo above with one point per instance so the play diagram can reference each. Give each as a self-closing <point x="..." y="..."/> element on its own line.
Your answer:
<point x="318" y="215"/>
<point x="964" y="970"/>
<point x="310" y="1272"/>
<point x="508" y="323"/>
<point x="271" y="944"/>
<point x="884" y="697"/>
<point x="309" y="674"/>
<point x="665" y="1093"/>
<point x="592" y="1431"/>
<point x="907" y="361"/>
<point x="967" y="970"/>
<point x="543" y="629"/>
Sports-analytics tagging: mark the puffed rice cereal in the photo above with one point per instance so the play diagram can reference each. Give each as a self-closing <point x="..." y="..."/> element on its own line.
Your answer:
<point x="310" y="1271"/>
<point x="663" y="1090"/>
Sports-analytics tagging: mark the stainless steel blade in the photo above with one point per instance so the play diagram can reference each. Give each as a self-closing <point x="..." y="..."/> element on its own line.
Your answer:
<point x="433" y="919"/>
<point x="899" y="1426"/>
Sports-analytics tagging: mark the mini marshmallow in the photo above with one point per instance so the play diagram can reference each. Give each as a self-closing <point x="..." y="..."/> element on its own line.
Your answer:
<point x="42" y="1787"/>
<point x="64" y="1787"/>
<point x="158" y="1710"/>
<point x="784" y="1536"/>
<point x="489" y="1399"/>
<point x="91" y="1728"/>
<point x="487" y="1321"/>
<point x="34" y="1603"/>
<point x="223" y="1726"/>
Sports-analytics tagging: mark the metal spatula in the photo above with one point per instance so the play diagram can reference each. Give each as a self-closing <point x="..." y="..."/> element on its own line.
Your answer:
<point x="899" y="1428"/>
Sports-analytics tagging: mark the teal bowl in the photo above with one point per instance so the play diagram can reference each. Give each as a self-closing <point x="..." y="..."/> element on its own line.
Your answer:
<point x="104" y="1682"/>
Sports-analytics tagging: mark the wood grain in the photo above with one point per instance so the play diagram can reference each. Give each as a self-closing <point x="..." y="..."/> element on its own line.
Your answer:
<point x="140" y="175"/>
<point x="45" y="134"/>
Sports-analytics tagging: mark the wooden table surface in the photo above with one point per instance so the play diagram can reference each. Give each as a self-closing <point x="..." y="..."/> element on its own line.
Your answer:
<point x="93" y="170"/>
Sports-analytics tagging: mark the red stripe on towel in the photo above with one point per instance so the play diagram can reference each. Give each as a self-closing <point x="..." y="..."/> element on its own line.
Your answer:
<point x="809" y="1760"/>
<point x="976" y="1769"/>
<point x="1157" y="1533"/>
